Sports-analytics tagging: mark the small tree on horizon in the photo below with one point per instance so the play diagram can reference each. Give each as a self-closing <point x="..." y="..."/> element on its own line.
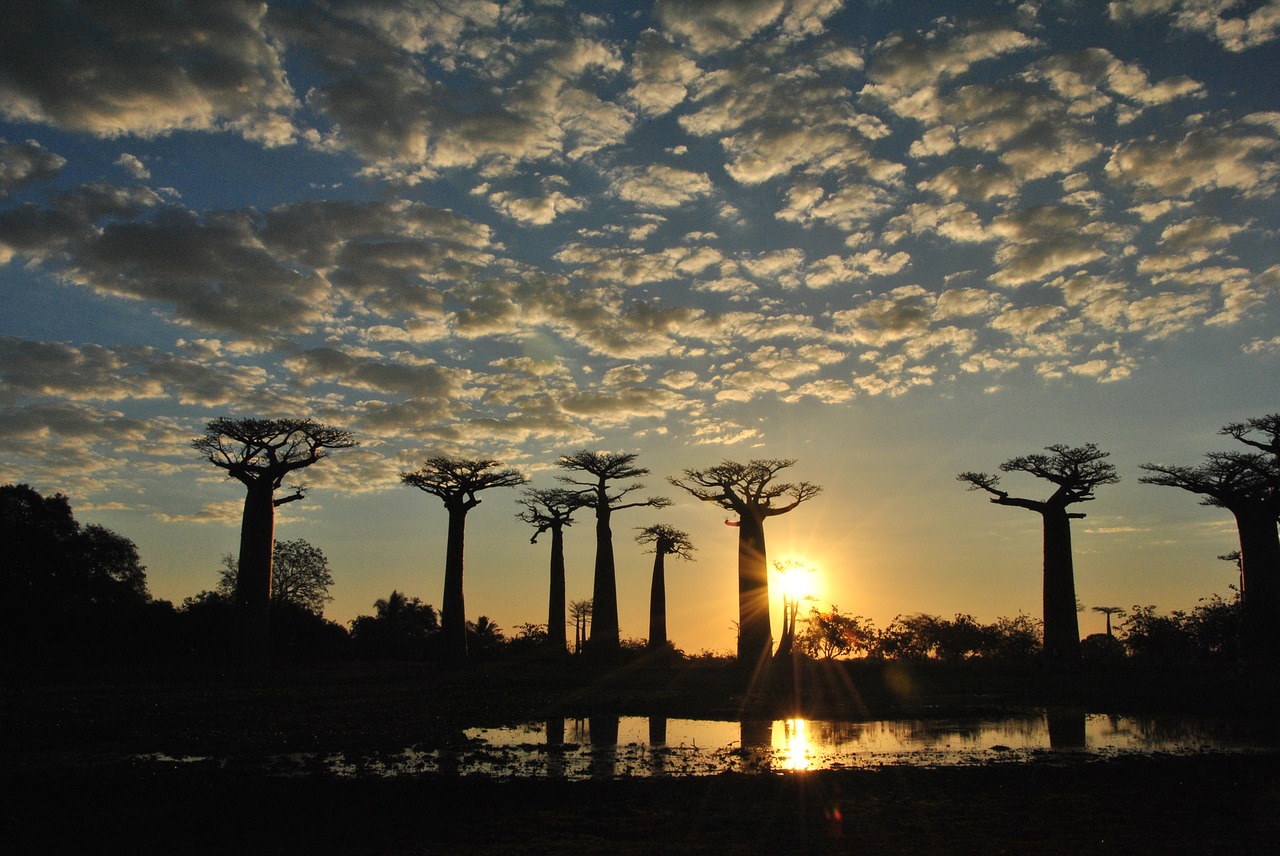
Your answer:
<point x="260" y="454"/>
<point x="1109" y="611"/>
<point x="666" y="541"/>
<point x="551" y="510"/>
<point x="456" y="481"/>
<point x="1077" y="472"/>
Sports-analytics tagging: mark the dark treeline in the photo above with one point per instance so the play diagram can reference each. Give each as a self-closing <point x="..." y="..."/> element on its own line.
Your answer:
<point x="72" y="590"/>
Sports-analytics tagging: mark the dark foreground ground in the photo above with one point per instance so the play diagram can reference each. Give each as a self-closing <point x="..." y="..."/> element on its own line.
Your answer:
<point x="67" y="740"/>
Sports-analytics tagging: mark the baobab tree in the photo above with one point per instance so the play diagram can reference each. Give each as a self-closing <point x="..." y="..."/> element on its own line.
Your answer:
<point x="1077" y="472"/>
<point x="580" y="612"/>
<point x="260" y="454"/>
<point x="456" y="481"/>
<point x="666" y="541"/>
<point x="551" y="510"/>
<point x="601" y="494"/>
<point x="749" y="491"/>
<point x="1248" y="485"/>
<point x="1109" y="611"/>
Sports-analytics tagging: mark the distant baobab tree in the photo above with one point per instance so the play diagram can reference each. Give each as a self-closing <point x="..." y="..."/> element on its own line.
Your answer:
<point x="260" y="454"/>
<point x="749" y="491"/>
<point x="551" y="510"/>
<point x="456" y="481"/>
<point x="580" y="612"/>
<point x="666" y="541"/>
<point x="1248" y="485"/>
<point x="1077" y="472"/>
<point x="601" y="495"/>
<point x="1109" y="611"/>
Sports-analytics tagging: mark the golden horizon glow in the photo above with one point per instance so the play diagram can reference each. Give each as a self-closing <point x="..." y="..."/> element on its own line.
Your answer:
<point x="797" y="579"/>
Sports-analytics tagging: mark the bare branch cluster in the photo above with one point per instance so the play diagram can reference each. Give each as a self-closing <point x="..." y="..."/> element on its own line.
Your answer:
<point x="548" y="508"/>
<point x="257" y="450"/>
<point x="1076" y="470"/>
<point x="456" y="481"/>
<point x="667" y="540"/>
<point x="747" y="488"/>
<point x="607" y="467"/>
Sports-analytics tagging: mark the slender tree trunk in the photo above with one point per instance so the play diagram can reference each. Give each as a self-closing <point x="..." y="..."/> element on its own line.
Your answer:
<point x="1061" y="627"/>
<point x="253" y="578"/>
<point x="556" y="601"/>
<point x="604" y="593"/>
<point x="755" y="633"/>
<point x="1260" y="565"/>
<point x="453" y="614"/>
<point x="658" y="603"/>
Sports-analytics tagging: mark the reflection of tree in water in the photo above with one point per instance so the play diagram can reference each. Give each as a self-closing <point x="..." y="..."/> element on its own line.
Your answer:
<point x="1066" y="730"/>
<point x="555" y="747"/>
<point x="658" y="745"/>
<point x="602" y="731"/>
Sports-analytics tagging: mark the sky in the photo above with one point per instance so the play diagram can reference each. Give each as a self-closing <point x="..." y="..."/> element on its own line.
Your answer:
<point x="891" y="241"/>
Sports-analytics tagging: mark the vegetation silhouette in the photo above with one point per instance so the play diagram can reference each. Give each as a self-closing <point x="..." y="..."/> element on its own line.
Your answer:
<point x="64" y="586"/>
<point x="1109" y="611"/>
<point x="401" y="628"/>
<point x="602" y="495"/>
<point x="551" y="510"/>
<point x="1248" y="485"/>
<point x="667" y="541"/>
<point x="580" y="612"/>
<point x="260" y="454"/>
<point x="300" y="575"/>
<point x="1077" y="472"/>
<point x="456" y="481"/>
<point x="749" y="490"/>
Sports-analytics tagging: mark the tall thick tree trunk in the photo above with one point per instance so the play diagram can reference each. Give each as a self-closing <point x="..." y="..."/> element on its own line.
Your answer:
<point x="1061" y="627"/>
<point x="1260" y="566"/>
<point x="755" y="634"/>
<point x="556" y="601"/>
<point x="604" y="592"/>
<point x="453" y="613"/>
<point x="253" y="578"/>
<point x="658" y="603"/>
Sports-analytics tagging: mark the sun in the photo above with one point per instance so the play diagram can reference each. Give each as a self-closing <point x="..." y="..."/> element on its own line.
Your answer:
<point x="797" y="579"/>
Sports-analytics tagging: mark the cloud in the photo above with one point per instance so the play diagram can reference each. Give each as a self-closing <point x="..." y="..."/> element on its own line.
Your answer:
<point x="1239" y="157"/>
<point x="1044" y="239"/>
<point x="113" y="70"/>
<point x="24" y="164"/>
<point x="1236" y="33"/>
<point x="660" y="186"/>
<point x="661" y="74"/>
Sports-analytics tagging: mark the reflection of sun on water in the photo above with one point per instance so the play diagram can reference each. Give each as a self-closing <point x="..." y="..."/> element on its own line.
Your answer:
<point x="795" y="749"/>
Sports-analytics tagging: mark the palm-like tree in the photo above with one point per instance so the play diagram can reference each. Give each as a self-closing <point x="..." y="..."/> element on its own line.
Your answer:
<point x="666" y="541"/>
<point x="551" y="510"/>
<point x="456" y="481"/>
<point x="1076" y="472"/>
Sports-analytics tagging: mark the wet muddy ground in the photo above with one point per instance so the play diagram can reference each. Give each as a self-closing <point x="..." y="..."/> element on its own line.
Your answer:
<point x="69" y="747"/>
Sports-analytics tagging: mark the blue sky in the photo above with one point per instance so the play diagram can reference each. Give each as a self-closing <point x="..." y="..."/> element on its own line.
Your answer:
<point x="892" y="241"/>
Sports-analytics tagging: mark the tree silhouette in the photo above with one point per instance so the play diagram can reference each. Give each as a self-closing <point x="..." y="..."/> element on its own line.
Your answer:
<point x="300" y="576"/>
<point x="1076" y="471"/>
<point x="260" y="454"/>
<point x="1248" y="485"/>
<point x="666" y="541"/>
<point x="1109" y="611"/>
<point x="456" y="481"/>
<point x="580" y="612"/>
<point x="599" y="494"/>
<point x="401" y="627"/>
<point x="790" y="571"/>
<point x="551" y="510"/>
<point x="749" y="490"/>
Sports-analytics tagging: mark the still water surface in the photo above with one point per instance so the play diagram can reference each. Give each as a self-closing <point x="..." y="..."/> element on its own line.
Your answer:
<point x="611" y="746"/>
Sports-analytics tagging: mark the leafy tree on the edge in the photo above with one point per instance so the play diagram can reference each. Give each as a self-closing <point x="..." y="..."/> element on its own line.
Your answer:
<point x="300" y="576"/>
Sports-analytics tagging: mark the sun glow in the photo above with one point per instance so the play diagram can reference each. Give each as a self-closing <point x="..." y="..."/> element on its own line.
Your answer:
<point x="795" y="747"/>
<point x="797" y="580"/>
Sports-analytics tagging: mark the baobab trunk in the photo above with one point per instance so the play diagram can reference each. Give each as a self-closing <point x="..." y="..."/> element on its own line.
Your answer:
<point x="453" y="615"/>
<point x="1061" y="627"/>
<point x="658" y="603"/>
<point x="604" y="593"/>
<point x="253" y="579"/>
<point x="755" y="633"/>
<point x="556" y="601"/>
<point x="1260" y="567"/>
